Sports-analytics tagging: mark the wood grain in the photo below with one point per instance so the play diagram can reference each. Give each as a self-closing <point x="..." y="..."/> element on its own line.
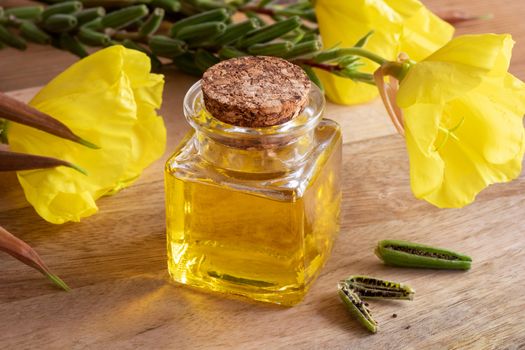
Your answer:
<point x="115" y="260"/>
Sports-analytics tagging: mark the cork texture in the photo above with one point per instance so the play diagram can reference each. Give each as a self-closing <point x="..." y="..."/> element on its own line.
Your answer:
<point x="255" y="91"/>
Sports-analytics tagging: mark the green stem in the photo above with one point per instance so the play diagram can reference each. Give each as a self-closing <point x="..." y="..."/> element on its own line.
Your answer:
<point x="350" y="51"/>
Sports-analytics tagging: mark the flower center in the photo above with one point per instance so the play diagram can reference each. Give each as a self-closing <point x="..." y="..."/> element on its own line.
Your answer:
<point x="449" y="133"/>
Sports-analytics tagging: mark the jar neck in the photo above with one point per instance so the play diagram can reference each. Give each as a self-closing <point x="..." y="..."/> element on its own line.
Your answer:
<point x="273" y="149"/>
<point x="258" y="155"/>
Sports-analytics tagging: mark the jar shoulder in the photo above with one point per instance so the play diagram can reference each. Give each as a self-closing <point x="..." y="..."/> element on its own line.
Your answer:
<point x="186" y="164"/>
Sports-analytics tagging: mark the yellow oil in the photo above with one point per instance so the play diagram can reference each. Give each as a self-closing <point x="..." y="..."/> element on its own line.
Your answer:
<point x="264" y="245"/>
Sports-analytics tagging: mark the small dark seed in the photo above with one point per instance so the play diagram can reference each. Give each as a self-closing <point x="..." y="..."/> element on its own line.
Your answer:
<point x="407" y="327"/>
<point x="394" y="315"/>
<point x="366" y="304"/>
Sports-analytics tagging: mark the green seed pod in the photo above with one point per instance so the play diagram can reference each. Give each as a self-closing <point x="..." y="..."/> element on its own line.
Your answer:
<point x="124" y="17"/>
<point x="257" y="18"/>
<point x="228" y="52"/>
<point x="32" y="33"/>
<point x="95" y="24"/>
<point x="205" y="59"/>
<point x="152" y="24"/>
<point x="294" y="36"/>
<point x="357" y="307"/>
<point x="270" y="32"/>
<point x="11" y="39"/>
<point x="93" y="38"/>
<point x="168" y="5"/>
<point x="235" y="31"/>
<point x="310" y="37"/>
<point x="304" y="48"/>
<point x="278" y="49"/>
<point x="219" y="15"/>
<point x="313" y="77"/>
<point x="166" y="47"/>
<point x="60" y="23"/>
<point x="71" y="44"/>
<point x="186" y="64"/>
<point x="25" y="12"/>
<point x="200" y="31"/>
<point x="374" y="288"/>
<point x="67" y="7"/>
<point x="88" y="15"/>
<point x="408" y="254"/>
<point x="130" y="44"/>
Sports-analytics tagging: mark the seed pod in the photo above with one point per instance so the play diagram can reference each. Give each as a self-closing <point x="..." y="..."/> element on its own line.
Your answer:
<point x="95" y="24"/>
<point x="60" y="23"/>
<point x="271" y="32"/>
<point x="304" y="48"/>
<point x="200" y="31"/>
<point x="66" y="8"/>
<point x="375" y="288"/>
<point x="257" y="18"/>
<point x="21" y="251"/>
<point x="310" y="37"/>
<point x="168" y="5"/>
<point x="25" y="12"/>
<point x="408" y="254"/>
<point x="124" y="17"/>
<point x="32" y="33"/>
<point x="88" y="15"/>
<point x="228" y="52"/>
<point x="279" y="49"/>
<point x="186" y="64"/>
<point x="152" y="24"/>
<point x="71" y="44"/>
<point x="205" y="59"/>
<point x="130" y="44"/>
<point x="166" y="47"/>
<point x="235" y="31"/>
<point x="219" y="15"/>
<point x="313" y="77"/>
<point x="357" y="308"/>
<point x="93" y="38"/>
<point x="11" y="39"/>
<point x="12" y="161"/>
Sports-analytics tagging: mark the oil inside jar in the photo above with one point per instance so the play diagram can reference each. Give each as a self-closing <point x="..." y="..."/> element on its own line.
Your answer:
<point x="264" y="237"/>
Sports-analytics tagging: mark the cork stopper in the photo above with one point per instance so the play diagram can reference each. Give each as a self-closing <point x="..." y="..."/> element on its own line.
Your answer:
<point x="255" y="91"/>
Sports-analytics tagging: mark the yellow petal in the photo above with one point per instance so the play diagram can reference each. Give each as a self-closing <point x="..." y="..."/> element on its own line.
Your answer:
<point x="422" y="121"/>
<point x="463" y="111"/>
<point x="397" y="24"/>
<point x="426" y="168"/>
<point x="436" y="83"/>
<point x="466" y="174"/>
<point x="109" y="98"/>
<point x="489" y="52"/>
<point x="423" y="33"/>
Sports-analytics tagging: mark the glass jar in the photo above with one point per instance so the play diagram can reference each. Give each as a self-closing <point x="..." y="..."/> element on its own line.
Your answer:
<point x="253" y="211"/>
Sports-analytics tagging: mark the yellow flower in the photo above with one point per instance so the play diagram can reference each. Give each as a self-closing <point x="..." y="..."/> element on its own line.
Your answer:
<point x="463" y="119"/>
<point x="108" y="98"/>
<point x="398" y="25"/>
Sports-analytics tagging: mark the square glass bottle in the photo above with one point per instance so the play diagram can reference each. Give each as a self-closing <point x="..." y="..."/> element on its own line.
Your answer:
<point x="253" y="211"/>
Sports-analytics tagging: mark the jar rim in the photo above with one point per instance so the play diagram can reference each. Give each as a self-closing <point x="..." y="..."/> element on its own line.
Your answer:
<point x="200" y="119"/>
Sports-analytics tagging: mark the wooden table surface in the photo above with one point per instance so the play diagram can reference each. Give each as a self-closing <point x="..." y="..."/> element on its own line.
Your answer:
<point x="115" y="261"/>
